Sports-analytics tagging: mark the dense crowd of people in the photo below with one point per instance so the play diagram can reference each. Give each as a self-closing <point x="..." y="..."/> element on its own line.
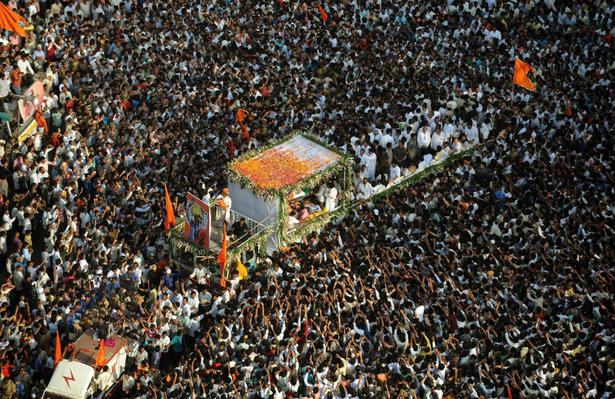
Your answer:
<point x="490" y="279"/>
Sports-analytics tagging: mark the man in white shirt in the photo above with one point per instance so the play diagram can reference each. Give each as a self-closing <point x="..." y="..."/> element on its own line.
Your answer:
<point x="331" y="198"/>
<point x="394" y="173"/>
<point x="423" y="141"/>
<point x="436" y="140"/>
<point x="371" y="164"/>
<point x="472" y="132"/>
<point x="128" y="383"/>
<point x="104" y="380"/>
<point x="224" y="202"/>
<point x="199" y="274"/>
<point x="364" y="189"/>
<point x="24" y="65"/>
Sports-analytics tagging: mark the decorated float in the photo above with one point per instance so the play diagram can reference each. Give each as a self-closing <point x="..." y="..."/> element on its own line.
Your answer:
<point x="283" y="191"/>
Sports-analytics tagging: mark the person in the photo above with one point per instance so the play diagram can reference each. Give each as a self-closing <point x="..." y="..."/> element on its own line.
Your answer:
<point x="331" y="197"/>
<point x="293" y="222"/>
<point x="424" y="141"/>
<point x="104" y="380"/>
<point x="128" y="383"/>
<point x="177" y="346"/>
<point x="241" y="270"/>
<point x="364" y="190"/>
<point x="16" y="76"/>
<point x="199" y="274"/>
<point x="400" y="155"/>
<point x="432" y="289"/>
<point x="224" y="203"/>
<point x="371" y="164"/>
<point x="240" y="230"/>
<point x="394" y="173"/>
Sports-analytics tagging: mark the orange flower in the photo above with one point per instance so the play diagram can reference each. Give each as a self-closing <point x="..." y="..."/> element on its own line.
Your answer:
<point x="284" y="165"/>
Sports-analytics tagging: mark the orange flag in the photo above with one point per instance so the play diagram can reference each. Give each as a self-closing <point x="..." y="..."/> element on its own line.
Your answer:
<point x="58" y="356"/>
<point x="568" y="109"/>
<point x="520" y="75"/>
<point x="222" y="257"/>
<point x="244" y="129"/>
<point x="241" y="114"/>
<point x="10" y="20"/>
<point x="169" y="219"/>
<point x="323" y="13"/>
<point x="100" y="358"/>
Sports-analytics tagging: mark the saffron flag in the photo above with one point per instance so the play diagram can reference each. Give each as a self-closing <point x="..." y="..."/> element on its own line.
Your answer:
<point x="58" y="356"/>
<point x="241" y="114"/>
<point x="568" y="109"/>
<point x="323" y="13"/>
<point x="100" y="358"/>
<point x="169" y="219"/>
<point x="10" y="20"/>
<point x="520" y="75"/>
<point x="222" y="257"/>
<point x="244" y="129"/>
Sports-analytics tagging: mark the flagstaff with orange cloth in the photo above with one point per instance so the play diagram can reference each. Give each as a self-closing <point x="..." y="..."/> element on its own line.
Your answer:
<point x="241" y="114"/>
<point x="100" y="358"/>
<point x="568" y="109"/>
<point x="222" y="257"/>
<point x="169" y="220"/>
<point x="58" y="354"/>
<point x="323" y="14"/>
<point x="520" y="75"/>
<point x="10" y="20"/>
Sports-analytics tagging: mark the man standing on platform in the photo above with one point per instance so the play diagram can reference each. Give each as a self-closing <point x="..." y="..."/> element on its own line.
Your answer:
<point x="224" y="202"/>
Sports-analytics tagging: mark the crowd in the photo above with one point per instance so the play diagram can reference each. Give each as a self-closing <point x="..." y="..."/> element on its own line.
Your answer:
<point x="491" y="279"/>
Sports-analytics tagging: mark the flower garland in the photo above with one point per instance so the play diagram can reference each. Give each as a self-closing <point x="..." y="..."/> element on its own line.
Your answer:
<point x="417" y="177"/>
<point x="258" y="240"/>
<point x="267" y="187"/>
<point x="315" y="224"/>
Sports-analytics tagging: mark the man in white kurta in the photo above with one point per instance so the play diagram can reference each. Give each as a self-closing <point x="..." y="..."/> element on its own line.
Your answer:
<point x="371" y="164"/>
<point x="424" y="139"/>
<point x="364" y="189"/>
<point x="331" y="198"/>
<point x="224" y="202"/>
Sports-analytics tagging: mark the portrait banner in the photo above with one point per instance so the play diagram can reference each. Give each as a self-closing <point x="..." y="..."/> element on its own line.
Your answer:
<point x="198" y="220"/>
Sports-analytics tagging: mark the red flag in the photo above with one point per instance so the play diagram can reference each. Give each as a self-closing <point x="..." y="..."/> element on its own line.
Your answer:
<point x="169" y="219"/>
<point x="222" y="257"/>
<point x="509" y="394"/>
<point x="58" y="356"/>
<point x="100" y="358"/>
<point x="520" y="74"/>
<point x="10" y="20"/>
<point x="568" y="109"/>
<point x="323" y="13"/>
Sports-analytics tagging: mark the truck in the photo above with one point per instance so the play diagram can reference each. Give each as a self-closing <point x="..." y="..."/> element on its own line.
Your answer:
<point x="75" y="378"/>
